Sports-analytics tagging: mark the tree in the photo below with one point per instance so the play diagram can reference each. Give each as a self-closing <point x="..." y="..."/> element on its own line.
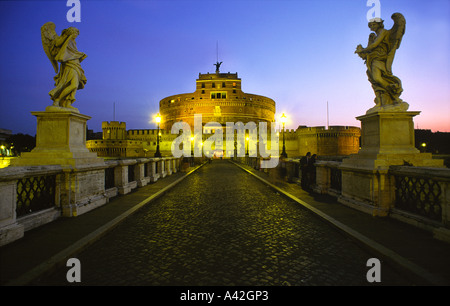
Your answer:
<point x="19" y="143"/>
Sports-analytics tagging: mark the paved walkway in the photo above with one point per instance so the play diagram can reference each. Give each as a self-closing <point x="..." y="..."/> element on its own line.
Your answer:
<point x="270" y="241"/>
<point x="412" y="251"/>
<point x="43" y="248"/>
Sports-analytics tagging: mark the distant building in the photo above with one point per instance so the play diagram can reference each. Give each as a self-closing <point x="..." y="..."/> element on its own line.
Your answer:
<point x="115" y="143"/>
<point x="334" y="141"/>
<point x="5" y="149"/>
<point x="90" y="135"/>
<point x="436" y="143"/>
<point x="5" y="134"/>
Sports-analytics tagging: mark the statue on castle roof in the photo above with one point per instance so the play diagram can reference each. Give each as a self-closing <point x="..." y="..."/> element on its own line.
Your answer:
<point x="70" y="76"/>
<point x="217" y="66"/>
<point x="379" y="56"/>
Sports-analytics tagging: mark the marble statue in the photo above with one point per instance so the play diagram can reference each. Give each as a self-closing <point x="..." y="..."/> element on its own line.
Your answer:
<point x="379" y="56"/>
<point x="70" y="76"/>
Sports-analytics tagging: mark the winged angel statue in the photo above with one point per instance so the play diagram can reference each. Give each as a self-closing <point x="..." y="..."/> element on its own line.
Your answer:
<point x="70" y="76"/>
<point x="379" y="56"/>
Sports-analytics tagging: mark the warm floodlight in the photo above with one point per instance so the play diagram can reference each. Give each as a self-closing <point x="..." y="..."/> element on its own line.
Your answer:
<point x="283" y="120"/>
<point x="158" y="118"/>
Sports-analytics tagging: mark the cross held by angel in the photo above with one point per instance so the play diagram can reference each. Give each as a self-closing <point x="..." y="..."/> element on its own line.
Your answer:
<point x="69" y="75"/>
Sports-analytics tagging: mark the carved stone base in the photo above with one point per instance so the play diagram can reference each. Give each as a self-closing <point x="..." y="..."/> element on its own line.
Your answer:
<point x="399" y="107"/>
<point x="387" y="140"/>
<point x="60" y="140"/>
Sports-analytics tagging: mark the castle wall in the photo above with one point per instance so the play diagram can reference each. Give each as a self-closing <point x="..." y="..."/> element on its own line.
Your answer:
<point x="334" y="141"/>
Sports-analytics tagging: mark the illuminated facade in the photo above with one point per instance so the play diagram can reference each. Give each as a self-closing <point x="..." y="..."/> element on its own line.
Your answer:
<point x="115" y="143"/>
<point x="219" y="98"/>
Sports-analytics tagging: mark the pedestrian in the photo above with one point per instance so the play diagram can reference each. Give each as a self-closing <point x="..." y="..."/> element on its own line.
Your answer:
<point x="312" y="171"/>
<point x="304" y="162"/>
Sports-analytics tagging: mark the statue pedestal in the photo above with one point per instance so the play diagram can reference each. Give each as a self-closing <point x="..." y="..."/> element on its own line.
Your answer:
<point x="61" y="140"/>
<point x="387" y="139"/>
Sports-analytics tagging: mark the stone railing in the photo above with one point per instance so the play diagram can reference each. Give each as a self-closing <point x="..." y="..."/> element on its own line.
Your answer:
<point x="422" y="197"/>
<point x="419" y="195"/>
<point x="31" y="196"/>
<point x="328" y="178"/>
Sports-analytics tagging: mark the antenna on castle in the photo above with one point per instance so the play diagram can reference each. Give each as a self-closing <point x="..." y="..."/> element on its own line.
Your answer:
<point x="217" y="64"/>
<point x="328" y="123"/>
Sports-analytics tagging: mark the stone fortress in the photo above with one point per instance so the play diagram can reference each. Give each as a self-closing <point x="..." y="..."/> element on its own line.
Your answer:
<point x="219" y="98"/>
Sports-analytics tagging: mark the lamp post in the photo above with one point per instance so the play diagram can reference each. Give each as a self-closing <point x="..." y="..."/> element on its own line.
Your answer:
<point x="235" y="145"/>
<point x="283" y="120"/>
<point x="246" y="153"/>
<point x="158" y="120"/>
<point x="192" y="150"/>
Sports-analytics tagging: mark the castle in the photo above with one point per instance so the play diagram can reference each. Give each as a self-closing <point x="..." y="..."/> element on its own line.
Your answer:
<point x="219" y="98"/>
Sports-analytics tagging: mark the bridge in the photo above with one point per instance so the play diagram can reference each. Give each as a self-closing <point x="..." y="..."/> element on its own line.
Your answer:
<point x="222" y="223"/>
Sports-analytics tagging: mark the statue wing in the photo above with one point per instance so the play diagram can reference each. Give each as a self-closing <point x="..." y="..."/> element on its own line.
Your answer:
<point x="395" y="37"/>
<point x="48" y="35"/>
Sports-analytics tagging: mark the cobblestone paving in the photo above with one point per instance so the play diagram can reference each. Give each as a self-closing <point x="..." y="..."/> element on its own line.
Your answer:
<point x="220" y="226"/>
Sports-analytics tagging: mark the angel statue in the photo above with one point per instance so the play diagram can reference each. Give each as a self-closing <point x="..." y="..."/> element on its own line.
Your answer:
<point x="217" y="64"/>
<point x="70" y="76"/>
<point x="379" y="56"/>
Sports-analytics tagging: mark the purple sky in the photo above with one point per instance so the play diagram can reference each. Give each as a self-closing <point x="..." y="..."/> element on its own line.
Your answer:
<point x="299" y="53"/>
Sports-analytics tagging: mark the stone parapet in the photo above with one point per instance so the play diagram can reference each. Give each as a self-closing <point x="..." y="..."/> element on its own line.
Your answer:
<point x="74" y="190"/>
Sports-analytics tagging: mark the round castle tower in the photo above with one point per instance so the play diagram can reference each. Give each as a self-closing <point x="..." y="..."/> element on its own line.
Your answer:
<point x="219" y="98"/>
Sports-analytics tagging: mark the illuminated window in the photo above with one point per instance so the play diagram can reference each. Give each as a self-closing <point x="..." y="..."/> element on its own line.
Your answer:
<point x="219" y="95"/>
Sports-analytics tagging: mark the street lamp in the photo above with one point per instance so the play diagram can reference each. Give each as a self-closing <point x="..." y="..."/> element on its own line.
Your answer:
<point x="283" y="121"/>
<point x="158" y="120"/>
<point x="246" y="153"/>
<point x="192" y="150"/>
<point x="424" y="146"/>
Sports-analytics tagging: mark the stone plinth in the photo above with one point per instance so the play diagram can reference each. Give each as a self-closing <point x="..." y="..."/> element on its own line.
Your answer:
<point x="387" y="140"/>
<point x="60" y="140"/>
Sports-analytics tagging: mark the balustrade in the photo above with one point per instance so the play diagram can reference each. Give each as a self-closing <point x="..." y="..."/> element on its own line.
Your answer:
<point x="32" y="196"/>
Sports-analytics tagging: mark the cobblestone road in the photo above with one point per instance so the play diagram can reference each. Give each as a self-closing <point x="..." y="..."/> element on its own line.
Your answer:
<point x="221" y="226"/>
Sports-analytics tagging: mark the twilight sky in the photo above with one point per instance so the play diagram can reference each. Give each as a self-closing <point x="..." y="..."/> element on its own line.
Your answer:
<point x="298" y="52"/>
